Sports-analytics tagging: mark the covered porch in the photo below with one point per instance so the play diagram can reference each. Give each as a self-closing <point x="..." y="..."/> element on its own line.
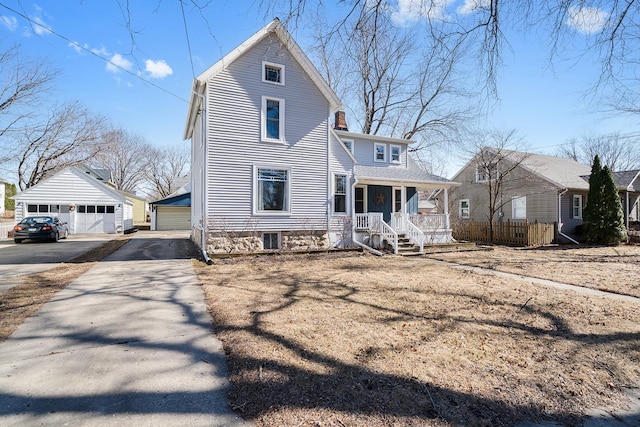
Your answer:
<point x="386" y="210"/>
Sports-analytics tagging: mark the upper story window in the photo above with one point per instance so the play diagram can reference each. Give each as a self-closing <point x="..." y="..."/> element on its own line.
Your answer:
<point x="272" y="119"/>
<point x="577" y="206"/>
<point x="272" y="73"/>
<point x="380" y="152"/>
<point x="519" y="207"/>
<point x="349" y="144"/>
<point x="485" y="173"/>
<point x="272" y="195"/>
<point x="395" y="153"/>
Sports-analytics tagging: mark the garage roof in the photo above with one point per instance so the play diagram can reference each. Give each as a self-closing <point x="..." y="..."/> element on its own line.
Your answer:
<point x="179" y="200"/>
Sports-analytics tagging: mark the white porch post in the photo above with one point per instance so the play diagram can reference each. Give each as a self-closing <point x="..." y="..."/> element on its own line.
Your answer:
<point x="446" y="207"/>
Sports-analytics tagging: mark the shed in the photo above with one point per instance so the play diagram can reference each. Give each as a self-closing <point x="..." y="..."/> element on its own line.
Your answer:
<point x="80" y="199"/>
<point x="171" y="213"/>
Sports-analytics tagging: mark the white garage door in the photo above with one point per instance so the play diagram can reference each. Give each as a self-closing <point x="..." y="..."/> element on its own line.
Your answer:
<point x="173" y="218"/>
<point x="95" y="219"/>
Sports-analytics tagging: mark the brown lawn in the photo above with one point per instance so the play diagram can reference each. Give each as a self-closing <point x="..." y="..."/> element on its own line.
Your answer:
<point x="354" y="339"/>
<point x="613" y="268"/>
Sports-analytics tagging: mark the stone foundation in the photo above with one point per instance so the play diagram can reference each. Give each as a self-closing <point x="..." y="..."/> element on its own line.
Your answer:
<point x="290" y="241"/>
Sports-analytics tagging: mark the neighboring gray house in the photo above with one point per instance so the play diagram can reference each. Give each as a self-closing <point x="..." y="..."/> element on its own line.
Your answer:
<point x="628" y="183"/>
<point x="270" y="171"/>
<point x="77" y="196"/>
<point x="540" y="188"/>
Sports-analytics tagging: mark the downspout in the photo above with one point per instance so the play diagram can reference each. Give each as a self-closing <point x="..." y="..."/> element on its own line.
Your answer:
<point x="203" y="197"/>
<point x="329" y="203"/>
<point x="560" y="217"/>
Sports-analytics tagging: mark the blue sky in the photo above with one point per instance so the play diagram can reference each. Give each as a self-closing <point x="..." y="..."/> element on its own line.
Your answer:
<point x="546" y="106"/>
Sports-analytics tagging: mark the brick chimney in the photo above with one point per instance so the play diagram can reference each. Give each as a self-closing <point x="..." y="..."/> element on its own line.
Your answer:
<point x="340" y="121"/>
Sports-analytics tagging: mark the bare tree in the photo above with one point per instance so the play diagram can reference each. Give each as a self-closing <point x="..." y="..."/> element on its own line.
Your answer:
<point x="615" y="150"/>
<point x="125" y="155"/>
<point x="70" y="135"/>
<point x="499" y="169"/>
<point x="24" y="82"/>
<point x="164" y="169"/>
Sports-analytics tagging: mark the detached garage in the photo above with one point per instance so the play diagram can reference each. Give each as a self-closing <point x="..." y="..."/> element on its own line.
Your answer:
<point x="172" y="213"/>
<point x="81" y="200"/>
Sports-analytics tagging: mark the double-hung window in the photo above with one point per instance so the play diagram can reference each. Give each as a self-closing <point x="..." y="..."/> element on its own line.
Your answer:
<point x="272" y="119"/>
<point x="485" y="173"/>
<point x="577" y="206"/>
<point x="349" y="144"/>
<point x="519" y="207"/>
<point x="380" y="152"/>
<point x="272" y="190"/>
<point x="395" y="153"/>
<point x="463" y="208"/>
<point x="340" y="194"/>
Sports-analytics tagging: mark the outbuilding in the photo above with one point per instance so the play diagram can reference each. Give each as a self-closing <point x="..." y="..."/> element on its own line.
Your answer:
<point x="171" y="213"/>
<point x="87" y="204"/>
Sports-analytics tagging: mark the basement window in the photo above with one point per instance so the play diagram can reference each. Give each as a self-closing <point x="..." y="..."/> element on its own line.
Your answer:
<point x="270" y="241"/>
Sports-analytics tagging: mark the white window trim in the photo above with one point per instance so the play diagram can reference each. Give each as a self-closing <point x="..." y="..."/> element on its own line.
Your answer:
<point x="513" y="207"/>
<point x="279" y="234"/>
<point x="263" y="125"/>
<point x="487" y="173"/>
<point x="346" y="194"/>
<point x="375" y="152"/>
<point x="256" y="202"/>
<point x="351" y="141"/>
<point x="573" y="199"/>
<point x="273" y="64"/>
<point x="460" y="209"/>
<point x="391" y="147"/>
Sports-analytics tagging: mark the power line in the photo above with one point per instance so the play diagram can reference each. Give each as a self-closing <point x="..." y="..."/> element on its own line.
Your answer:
<point x="77" y="45"/>
<point x="186" y="32"/>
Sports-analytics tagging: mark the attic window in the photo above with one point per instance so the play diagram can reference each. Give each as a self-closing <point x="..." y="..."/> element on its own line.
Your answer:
<point x="272" y="73"/>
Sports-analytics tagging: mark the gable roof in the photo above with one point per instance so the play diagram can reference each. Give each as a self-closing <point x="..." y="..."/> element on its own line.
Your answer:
<point x="274" y="27"/>
<point x="627" y="180"/>
<point x="558" y="171"/>
<point x="81" y="176"/>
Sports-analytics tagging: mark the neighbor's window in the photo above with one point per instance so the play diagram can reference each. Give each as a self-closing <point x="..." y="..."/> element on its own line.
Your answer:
<point x="32" y="208"/>
<point x="273" y="190"/>
<point x="272" y="119"/>
<point x="272" y="73"/>
<point x="380" y="152"/>
<point x="270" y="241"/>
<point x="519" y="207"/>
<point x="463" y="208"/>
<point x="486" y="172"/>
<point x="577" y="206"/>
<point x="395" y="153"/>
<point x="340" y="194"/>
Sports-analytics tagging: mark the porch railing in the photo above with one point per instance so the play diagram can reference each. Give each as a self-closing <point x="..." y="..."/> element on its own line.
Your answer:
<point x="389" y="234"/>
<point x="430" y="222"/>
<point x="373" y="223"/>
<point x="402" y="222"/>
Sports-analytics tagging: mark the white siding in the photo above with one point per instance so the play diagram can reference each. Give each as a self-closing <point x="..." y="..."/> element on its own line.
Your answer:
<point x="234" y="108"/>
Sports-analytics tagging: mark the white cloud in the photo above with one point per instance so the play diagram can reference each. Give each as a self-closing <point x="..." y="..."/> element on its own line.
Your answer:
<point x="101" y="52"/>
<point x="471" y="6"/>
<point x="9" y="21"/>
<point x="409" y="11"/>
<point x="40" y="27"/>
<point x="78" y="48"/>
<point x="118" y="63"/>
<point x="158" y="69"/>
<point x="587" y="20"/>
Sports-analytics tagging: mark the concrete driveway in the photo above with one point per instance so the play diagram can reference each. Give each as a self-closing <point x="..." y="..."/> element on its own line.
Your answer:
<point x="128" y="343"/>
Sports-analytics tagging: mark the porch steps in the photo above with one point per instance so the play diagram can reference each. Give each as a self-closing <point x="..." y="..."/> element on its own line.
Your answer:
<point x="405" y="247"/>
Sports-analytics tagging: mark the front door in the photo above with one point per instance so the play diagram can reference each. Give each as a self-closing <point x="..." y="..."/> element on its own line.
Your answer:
<point x="379" y="199"/>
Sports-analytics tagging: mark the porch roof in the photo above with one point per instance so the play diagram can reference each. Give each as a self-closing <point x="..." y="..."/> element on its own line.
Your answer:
<point x="397" y="175"/>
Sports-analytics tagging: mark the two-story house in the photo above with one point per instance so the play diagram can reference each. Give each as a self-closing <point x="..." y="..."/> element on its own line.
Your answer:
<point x="275" y="167"/>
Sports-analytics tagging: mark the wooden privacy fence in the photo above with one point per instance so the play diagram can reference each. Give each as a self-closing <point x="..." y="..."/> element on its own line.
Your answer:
<point x="513" y="233"/>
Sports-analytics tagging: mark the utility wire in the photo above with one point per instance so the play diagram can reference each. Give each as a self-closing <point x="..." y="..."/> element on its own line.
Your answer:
<point x="186" y="32"/>
<point x="77" y="45"/>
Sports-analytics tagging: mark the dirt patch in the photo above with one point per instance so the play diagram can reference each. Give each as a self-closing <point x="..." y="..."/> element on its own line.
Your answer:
<point x="612" y="268"/>
<point x="351" y="340"/>
<point x="25" y="299"/>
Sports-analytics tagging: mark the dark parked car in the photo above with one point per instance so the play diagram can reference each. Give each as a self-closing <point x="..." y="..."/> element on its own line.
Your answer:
<point x="40" y="227"/>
